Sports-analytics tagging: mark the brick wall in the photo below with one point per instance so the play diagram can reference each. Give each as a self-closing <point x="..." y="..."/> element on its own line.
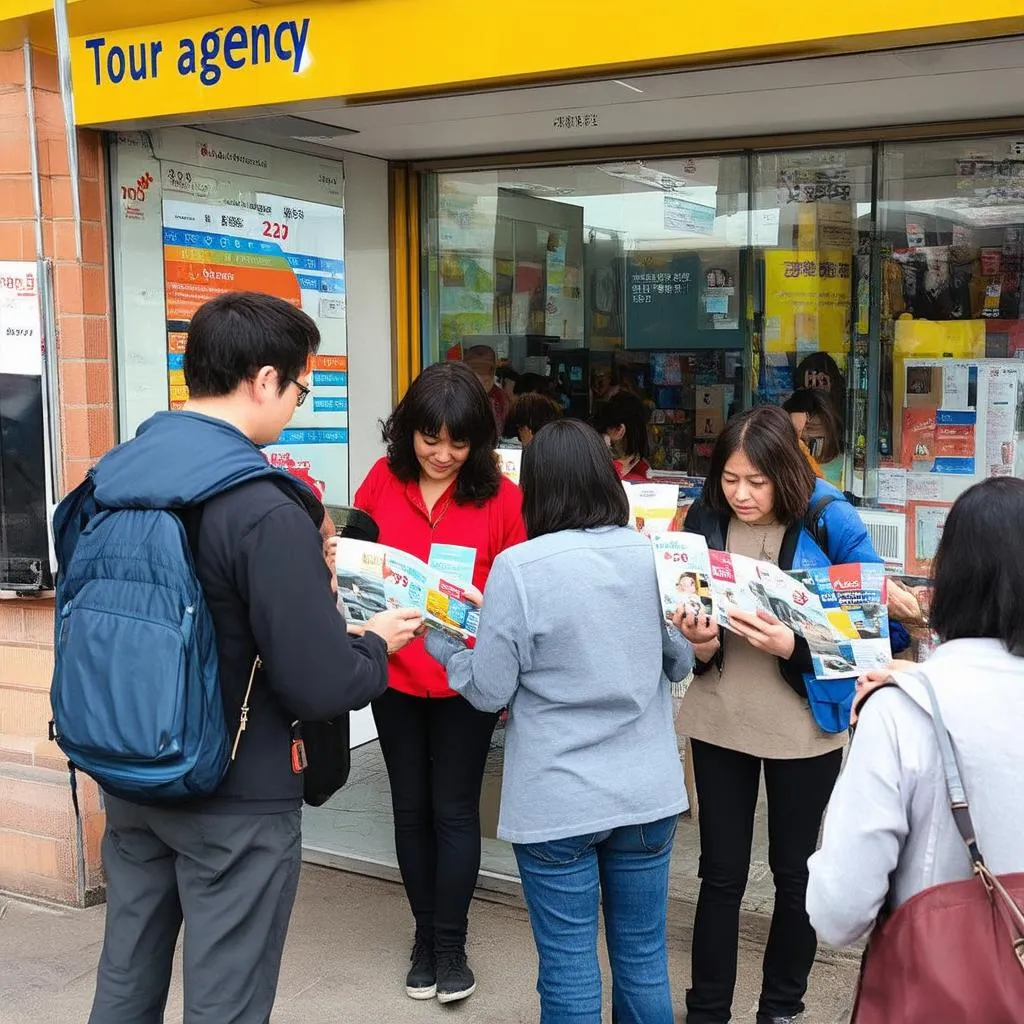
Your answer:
<point x="39" y="852"/>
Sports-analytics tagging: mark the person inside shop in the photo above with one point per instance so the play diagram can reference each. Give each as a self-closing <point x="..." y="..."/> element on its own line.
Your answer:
<point x="820" y="372"/>
<point x="889" y="826"/>
<point x="483" y="361"/>
<point x="529" y="413"/>
<point x="817" y="425"/>
<point x="573" y="641"/>
<point x="750" y="707"/>
<point x="622" y="419"/>
<point x="439" y="483"/>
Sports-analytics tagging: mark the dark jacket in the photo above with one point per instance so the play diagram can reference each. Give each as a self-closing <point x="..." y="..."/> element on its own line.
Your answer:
<point x="259" y="558"/>
<point x="848" y="542"/>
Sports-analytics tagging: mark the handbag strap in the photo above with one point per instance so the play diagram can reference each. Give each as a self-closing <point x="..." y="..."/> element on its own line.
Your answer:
<point x="243" y="721"/>
<point x="951" y="770"/>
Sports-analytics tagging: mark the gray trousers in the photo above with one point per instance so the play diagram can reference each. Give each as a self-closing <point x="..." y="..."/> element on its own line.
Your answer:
<point x="230" y="878"/>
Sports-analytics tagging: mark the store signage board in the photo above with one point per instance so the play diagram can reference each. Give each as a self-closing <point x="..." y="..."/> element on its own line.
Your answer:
<point x="314" y="51"/>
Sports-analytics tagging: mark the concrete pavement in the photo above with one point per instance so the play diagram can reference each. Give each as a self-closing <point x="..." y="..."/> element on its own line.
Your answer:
<point x="345" y="961"/>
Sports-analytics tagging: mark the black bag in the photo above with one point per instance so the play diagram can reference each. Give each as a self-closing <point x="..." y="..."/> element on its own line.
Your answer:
<point x="328" y="757"/>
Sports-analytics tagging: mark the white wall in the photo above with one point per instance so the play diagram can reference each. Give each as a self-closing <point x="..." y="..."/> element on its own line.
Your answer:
<point x="368" y="286"/>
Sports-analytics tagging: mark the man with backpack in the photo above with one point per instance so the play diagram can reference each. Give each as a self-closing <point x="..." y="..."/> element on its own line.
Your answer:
<point x="196" y="631"/>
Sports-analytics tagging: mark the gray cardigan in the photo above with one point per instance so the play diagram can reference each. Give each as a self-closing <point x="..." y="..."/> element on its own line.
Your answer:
<point x="889" y="831"/>
<point x="573" y="641"/>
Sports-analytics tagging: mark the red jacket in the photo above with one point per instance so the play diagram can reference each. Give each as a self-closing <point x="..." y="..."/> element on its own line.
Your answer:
<point x="399" y="511"/>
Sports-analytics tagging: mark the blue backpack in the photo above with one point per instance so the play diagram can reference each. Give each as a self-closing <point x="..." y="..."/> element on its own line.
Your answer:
<point x="136" y="693"/>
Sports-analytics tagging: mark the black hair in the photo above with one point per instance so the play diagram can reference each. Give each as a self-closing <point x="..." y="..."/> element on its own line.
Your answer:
<point x="979" y="566"/>
<point x="814" y="402"/>
<point x="812" y="371"/>
<point x="569" y="481"/>
<point x="533" y="411"/>
<point x="531" y="383"/>
<point x="767" y="437"/>
<point x="475" y="352"/>
<point x="447" y="395"/>
<point x="625" y="410"/>
<point x="232" y="337"/>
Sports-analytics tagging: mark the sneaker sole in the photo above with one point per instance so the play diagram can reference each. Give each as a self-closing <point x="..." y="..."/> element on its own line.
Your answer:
<point x="454" y="997"/>
<point x="421" y="993"/>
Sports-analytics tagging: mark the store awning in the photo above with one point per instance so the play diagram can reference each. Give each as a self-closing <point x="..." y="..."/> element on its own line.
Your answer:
<point x="223" y="56"/>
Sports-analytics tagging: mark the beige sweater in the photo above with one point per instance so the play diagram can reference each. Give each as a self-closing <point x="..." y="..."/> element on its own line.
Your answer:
<point x="750" y="707"/>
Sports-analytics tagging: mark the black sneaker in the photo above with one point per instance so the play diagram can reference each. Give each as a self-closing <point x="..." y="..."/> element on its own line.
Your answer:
<point x="421" y="981"/>
<point x="455" y="980"/>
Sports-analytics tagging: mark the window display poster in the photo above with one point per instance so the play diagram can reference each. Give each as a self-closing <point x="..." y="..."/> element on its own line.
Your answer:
<point x="215" y="243"/>
<point x="1001" y="419"/>
<point x="925" y="522"/>
<point x="807" y="301"/>
<point x="24" y="498"/>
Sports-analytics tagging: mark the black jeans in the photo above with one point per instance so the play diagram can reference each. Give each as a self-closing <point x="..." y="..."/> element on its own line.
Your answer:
<point x="727" y="787"/>
<point x="435" y="750"/>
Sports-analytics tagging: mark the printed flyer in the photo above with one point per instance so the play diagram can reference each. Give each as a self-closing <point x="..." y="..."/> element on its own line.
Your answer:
<point x="839" y="610"/>
<point x="653" y="508"/>
<point x="510" y="461"/>
<point x="373" y="578"/>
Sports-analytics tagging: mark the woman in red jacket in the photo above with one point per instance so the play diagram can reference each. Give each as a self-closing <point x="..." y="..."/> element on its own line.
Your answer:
<point x="438" y="484"/>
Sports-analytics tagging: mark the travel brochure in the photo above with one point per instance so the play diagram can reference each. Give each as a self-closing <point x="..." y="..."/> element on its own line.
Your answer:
<point x="373" y="578"/>
<point x="839" y="610"/>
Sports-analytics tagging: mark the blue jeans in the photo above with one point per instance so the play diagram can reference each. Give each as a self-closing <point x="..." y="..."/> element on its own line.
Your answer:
<point x="562" y="880"/>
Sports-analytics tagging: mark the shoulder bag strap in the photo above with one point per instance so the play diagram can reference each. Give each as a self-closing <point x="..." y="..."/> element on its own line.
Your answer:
<point x="951" y="770"/>
<point x="1012" y="913"/>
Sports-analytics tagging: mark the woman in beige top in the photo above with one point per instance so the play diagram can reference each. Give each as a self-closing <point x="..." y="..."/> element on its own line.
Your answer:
<point x="755" y="703"/>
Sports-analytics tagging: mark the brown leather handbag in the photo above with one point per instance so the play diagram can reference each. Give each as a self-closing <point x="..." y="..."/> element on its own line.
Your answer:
<point x="954" y="953"/>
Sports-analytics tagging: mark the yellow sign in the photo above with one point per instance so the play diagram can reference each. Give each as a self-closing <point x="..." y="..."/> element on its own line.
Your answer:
<point x="807" y="301"/>
<point x="314" y="51"/>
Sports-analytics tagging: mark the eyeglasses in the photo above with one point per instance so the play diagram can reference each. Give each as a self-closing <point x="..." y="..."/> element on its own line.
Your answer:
<point x="304" y="392"/>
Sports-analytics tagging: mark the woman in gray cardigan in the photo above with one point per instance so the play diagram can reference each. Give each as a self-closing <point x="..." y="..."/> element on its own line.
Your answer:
<point x="573" y="642"/>
<point x="889" y="832"/>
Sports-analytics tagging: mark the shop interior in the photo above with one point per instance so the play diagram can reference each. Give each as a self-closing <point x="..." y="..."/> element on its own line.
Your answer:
<point x="883" y="272"/>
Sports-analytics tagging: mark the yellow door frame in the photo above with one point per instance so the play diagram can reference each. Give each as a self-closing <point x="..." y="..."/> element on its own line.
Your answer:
<point x="407" y="351"/>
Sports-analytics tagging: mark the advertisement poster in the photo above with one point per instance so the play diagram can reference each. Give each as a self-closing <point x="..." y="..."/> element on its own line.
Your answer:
<point x="24" y="540"/>
<point x="807" y="301"/>
<point x="290" y="248"/>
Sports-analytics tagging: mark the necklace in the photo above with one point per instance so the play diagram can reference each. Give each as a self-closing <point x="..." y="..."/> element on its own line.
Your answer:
<point x="765" y="555"/>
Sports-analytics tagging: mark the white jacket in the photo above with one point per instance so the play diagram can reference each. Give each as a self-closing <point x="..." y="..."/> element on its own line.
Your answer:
<point x="889" y="814"/>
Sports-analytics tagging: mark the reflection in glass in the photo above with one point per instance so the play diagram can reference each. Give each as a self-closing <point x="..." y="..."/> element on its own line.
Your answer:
<point x="601" y="278"/>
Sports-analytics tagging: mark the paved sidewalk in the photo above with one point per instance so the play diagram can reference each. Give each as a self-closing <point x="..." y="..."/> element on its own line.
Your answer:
<point x="345" y="961"/>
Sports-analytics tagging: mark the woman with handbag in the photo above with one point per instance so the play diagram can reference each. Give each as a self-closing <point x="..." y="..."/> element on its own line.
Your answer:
<point x="755" y="704"/>
<point x="438" y="484"/>
<point x="890" y="836"/>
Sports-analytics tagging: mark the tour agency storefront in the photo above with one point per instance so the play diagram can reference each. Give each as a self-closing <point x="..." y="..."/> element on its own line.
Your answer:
<point x="714" y="216"/>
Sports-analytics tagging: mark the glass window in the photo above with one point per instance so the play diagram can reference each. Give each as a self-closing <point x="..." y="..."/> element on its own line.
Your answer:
<point x="952" y="226"/>
<point x="629" y="275"/>
<point x="810" y="230"/>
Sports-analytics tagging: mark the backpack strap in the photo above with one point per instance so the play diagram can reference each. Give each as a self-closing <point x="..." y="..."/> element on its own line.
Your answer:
<point x="815" y="525"/>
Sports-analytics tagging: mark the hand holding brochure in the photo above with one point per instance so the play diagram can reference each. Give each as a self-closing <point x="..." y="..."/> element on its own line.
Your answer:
<point x="839" y="610"/>
<point x="373" y="578"/>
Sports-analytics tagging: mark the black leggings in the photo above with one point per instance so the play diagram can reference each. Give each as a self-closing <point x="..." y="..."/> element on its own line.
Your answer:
<point x="435" y="750"/>
<point x="727" y="786"/>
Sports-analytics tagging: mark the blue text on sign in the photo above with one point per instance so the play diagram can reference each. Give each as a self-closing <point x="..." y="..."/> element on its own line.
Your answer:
<point x="214" y="51"/>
